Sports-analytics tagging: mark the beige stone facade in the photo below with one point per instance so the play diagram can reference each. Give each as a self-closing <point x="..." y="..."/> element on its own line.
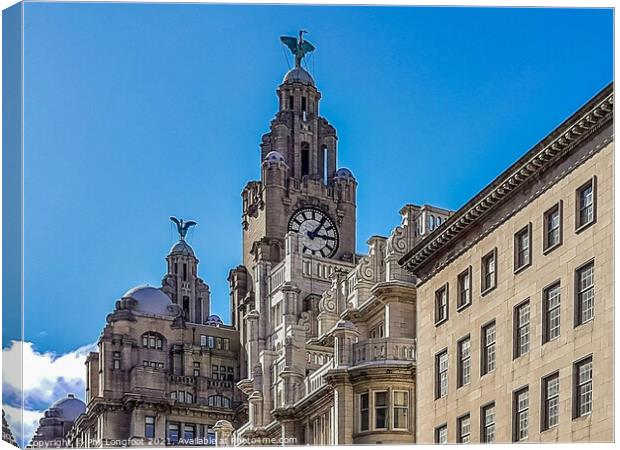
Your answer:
<point x="508" y="316"/>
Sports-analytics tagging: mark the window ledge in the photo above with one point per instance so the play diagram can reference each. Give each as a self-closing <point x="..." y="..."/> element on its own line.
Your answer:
<point x="487" y="290"/>
<point x="583" y="417"/>
<point x="522" y="268"/>
<point x="548" y="250"/>
<point x="580" y="228"/>
<point x="463" y="306"/>
<point x="441" y="322"/>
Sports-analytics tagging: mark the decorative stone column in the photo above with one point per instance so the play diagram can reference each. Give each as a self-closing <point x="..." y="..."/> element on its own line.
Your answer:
<point x="345" y="335"/>
<point x="223" y="433"/>
<point x="252" y="321"/>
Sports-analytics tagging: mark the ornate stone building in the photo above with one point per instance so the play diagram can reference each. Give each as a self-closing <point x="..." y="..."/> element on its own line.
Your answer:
<point x="515" y="298"/>
<point x="57" y="422"/>
<point x="165" y="370"/>
<point x="327" y="335"/>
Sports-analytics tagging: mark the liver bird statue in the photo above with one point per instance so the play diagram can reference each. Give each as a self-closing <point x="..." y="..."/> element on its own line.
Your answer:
<point x="298" y="47"/>
<point x="183" y="227"/>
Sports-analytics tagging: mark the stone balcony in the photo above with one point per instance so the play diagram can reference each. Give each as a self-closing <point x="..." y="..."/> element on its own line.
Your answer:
<point x="384" y="349"/>
<point x="316" y="379"/>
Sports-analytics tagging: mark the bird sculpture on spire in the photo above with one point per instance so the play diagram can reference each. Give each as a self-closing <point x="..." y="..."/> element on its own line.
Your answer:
<point x="183" y="227"/>
<point x="298" y="47"/>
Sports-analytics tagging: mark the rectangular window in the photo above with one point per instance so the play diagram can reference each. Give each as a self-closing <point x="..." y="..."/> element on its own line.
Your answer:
<point x="487" y="416"/>
<point x="210" y="342"/>
<point x="441" y="434"/>
<point x="226" y="342"/>
<point x="364" y="412"/>
<point x="189" y="433"/>
<point x="522" y="329"/>
<point x="215" y="372"/>
<point x="489" y="271"/>
<point x="149" y="427"/>
<point x="551" y="312"/>
<point x="464" y="361"/>
<point x="586" y="205"/>
<point x="582" y="376"/>
<point x="116" y="360"/>
<point x="488" y="348"/>
<point x="401" y="410"/>
<point x="441" y="304"/>
<point x="464" y="289"/>
<point x="551" y="400"/>
<point x="584" y="308"/>
<point x="218" y="343"/>
<point x="552" y="227"/>
<point x="523" y="248"/>
<point x="463" y="427"/>
<point x="381" y="408"/>
<point x="196" y="369"/>
<point x="441" y="371"/>
<point x="173" y="433"/>
<point x="521" y="408"/>
<point x="203" y="340"/>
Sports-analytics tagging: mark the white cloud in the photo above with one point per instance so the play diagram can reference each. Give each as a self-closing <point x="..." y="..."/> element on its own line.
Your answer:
<point x="47" y="377"/>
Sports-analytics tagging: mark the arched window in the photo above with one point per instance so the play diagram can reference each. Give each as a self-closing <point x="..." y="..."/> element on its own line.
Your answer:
<point x="218" y="401"/>
<point x="153" y="340"/>
<point x="305" y="158"/>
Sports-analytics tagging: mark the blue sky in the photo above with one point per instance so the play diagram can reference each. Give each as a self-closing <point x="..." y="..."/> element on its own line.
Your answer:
<point x="136" y="112"/>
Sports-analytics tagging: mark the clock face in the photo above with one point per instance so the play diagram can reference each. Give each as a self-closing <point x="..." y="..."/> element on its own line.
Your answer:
<point x="318" y="233"/>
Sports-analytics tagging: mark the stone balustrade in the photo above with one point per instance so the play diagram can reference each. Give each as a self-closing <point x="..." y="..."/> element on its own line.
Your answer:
<point x="383" y="349"/>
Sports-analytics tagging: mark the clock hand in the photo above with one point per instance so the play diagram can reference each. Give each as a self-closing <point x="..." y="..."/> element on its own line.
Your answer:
<point x="316" y="230"/>
<point x="327" y="238"/>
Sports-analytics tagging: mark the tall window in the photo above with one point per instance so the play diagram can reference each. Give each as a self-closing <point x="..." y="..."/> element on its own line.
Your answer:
<point x="364" y="412"/>
<point x="582" y="377"/>
<point x="149" y="427"/>
<point x="219" y="401"/>
<point x="305" y="158"/>
<point x="552" y="227"/>
<point x="521" y="408"/>
<point x="586" y="213"/>
<point x="441" y="434"/>
<point x="152" y="340"/>
<point x="551" y="311"/>
<point x="523" y="248"/>
<point x="488" y="423"/>
<point x="196" y="369"/>
<point x="522" y="329"/>
<point x="381" y="407"/>
<point x="203" y="340"/>
<point x="584" y="307"/>
<point x="441" y="305"/>
<point x="401" y="410"/>
<point x="116" y="360"/>
<point x="464" y="361"/>
<point x="189" y="433"/>
<point x="441" y="370"/>
<point x="489" y="271"/>
<point x="551" y="400"/>
<point x="464" y="289"/>
<point x="488" y="348"/>
<point x="463" y="429"/>
<point x="173" y="433"/>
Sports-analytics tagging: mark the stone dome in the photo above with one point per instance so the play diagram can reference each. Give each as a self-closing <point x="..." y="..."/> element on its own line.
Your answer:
<point x="344" y="173"/>
<point x="274" y="156"/>
<point x="69" y="408"/>
<point x="150" y="300"/>
<point x="214" y="319"/>
<point x="298" y="75"/>
<point x="182" y="248"/>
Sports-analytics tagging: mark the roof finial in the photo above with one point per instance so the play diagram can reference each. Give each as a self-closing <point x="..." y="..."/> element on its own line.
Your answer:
<point x="298" y="47"/>
<point x="183" y="227"/>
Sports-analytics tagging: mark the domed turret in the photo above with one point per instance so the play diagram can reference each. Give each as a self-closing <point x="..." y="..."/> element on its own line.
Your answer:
<point x="150" y="300"/>
<point x="298" y="75"/>
<point x="274" y="156"/>
<point x="69" y="408"/>
<point x="343" y="172"/>
<point x="182" y="248"/>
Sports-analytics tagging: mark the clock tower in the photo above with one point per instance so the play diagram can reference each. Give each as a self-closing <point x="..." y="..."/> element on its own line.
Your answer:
<point x="301" y="193"/>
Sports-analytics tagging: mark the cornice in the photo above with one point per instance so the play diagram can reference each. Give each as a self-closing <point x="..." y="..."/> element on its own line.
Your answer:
<point x="564" y="139"/>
